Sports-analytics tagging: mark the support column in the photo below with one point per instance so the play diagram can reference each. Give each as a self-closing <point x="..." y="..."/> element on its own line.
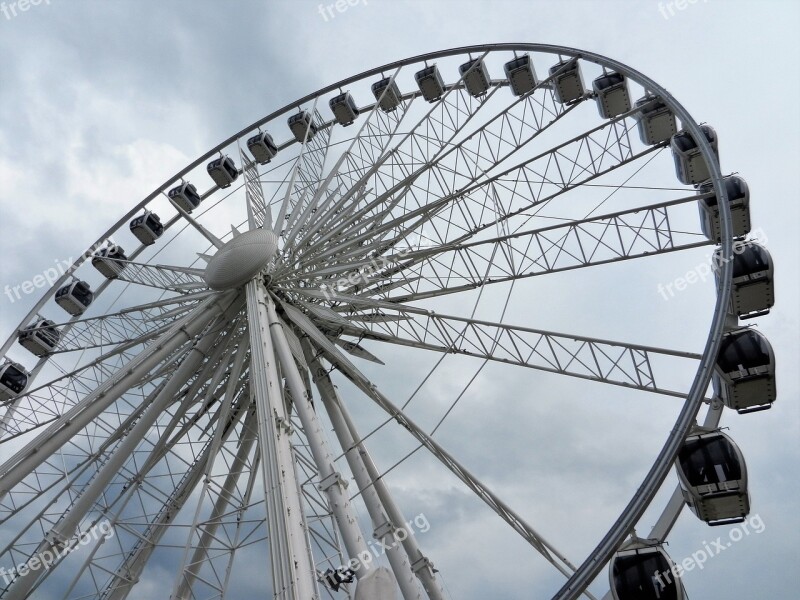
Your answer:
<point x="293" y="574"/>
<point x="356" y="454"/>
<point x="330" y="482"/>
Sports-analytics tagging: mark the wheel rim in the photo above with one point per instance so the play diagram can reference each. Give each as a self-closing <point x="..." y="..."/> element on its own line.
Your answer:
<point x="298" y="295"/>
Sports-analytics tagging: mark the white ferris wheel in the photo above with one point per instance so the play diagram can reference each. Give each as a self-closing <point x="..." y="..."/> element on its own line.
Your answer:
<point x="193" y="387"/>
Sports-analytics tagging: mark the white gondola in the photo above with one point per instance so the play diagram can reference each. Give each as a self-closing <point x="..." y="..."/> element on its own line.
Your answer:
<point x="738" y="201"/>
<point x="107" y="261"/>
<point x="41" y="337"/>
<point x="430" y="83"/>
<point x="690" y="166"/>
<point x="387" y="94"/>
<point x="75" y="297"/>
<point x="568" y="84"/>
<point x="13" y="380"/>
<point x="612" y="95"/>
<point x="753" y="291"/>
<point x="520" y="74"/>
<point x="300" y="123"/>
<point x="476" y="77"/>
<point x="713" y="477"/>
<point x="185" y="195"/>
<point x="223" y="171"/>
<point x="642" y="570"/>
<point x="147" y="228"/>
<point x="655" y="121"/>
<point x="344" y="109"/>
<point x="745" y="371"/>
<point x="262" y="147"/>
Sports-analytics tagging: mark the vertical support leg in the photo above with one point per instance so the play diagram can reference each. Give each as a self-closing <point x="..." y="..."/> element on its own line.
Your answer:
<point x="356" y="455"/>
<point x="420" y="564"/>
<point x="293" y="573"/>
<point x="330" y="480"/>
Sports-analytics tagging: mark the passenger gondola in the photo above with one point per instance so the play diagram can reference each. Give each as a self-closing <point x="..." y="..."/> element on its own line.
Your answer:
<point x="344" y="109"/>
<point x="567" y="80"/>
<point x="753" y="290"/>
<point x="430" y="83"/>
<point x="655" y="121"/>
<point x="520" y="74"/>
<point x="147" y="228"/>
<point x="739" y="202"/>
<point x="475" y="76"/>
<point x="223" y="171"/>
<point x="262" y="147"/>
<point x="642" y="570"/>
<point x="75" y="297"/>
<point x="713" y="477"/>
<point x="387" y="94"/>
<point x="40" y="337"/>
<point x="745" y="371"/>
<point x="107" y="261"/>
<point x="299" y="124"/>
<point x="13" y="380"/>
<point x="690" y="166"/>
<point x="611" y="92"/>
<point x="185" y="195"/>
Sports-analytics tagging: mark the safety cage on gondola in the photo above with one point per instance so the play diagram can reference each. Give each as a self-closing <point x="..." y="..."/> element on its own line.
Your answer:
<point x="655" y="120"/>
<point x="521" y="74"/>
<point x="40" y="337"/>
<point x="299" y="124"/>
<point x="642" y="570"/>
<point x="753" y="288"/>
<point x="13" y="380"/>
<point x="611" y="93"/>
<point x="567" y="80"/>
<point x="75" y="297"/>
<point x="185" y="196"/>
<point x="223" y="171"/>
<point x="476" y="77"/>
<point x="745" y="371"/>
<point x="147" y="228"/>
<point x="739" y="202"/>
<point x="108" y="259"/>
<point x="262" y="147"/>
<point x="713" y="477"/>
<point x="430" y="83"/>
<point x="690" y="166"/>
<point x="344" y="108"/>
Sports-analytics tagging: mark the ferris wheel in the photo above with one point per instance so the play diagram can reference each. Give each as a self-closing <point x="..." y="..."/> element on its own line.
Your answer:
<point x="185" y="402"/>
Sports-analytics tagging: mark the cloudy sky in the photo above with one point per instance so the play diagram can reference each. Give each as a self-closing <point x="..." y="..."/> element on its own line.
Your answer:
<point x="103" y="100"/>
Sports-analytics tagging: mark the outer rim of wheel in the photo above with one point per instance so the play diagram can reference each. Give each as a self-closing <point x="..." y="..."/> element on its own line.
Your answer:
<point x="597" y="559"/>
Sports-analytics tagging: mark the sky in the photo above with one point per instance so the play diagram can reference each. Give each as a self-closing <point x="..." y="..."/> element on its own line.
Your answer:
<point x="103" y="100"/>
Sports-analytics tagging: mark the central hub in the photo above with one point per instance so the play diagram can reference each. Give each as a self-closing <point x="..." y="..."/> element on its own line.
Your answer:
<point x="241" y="259"/>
